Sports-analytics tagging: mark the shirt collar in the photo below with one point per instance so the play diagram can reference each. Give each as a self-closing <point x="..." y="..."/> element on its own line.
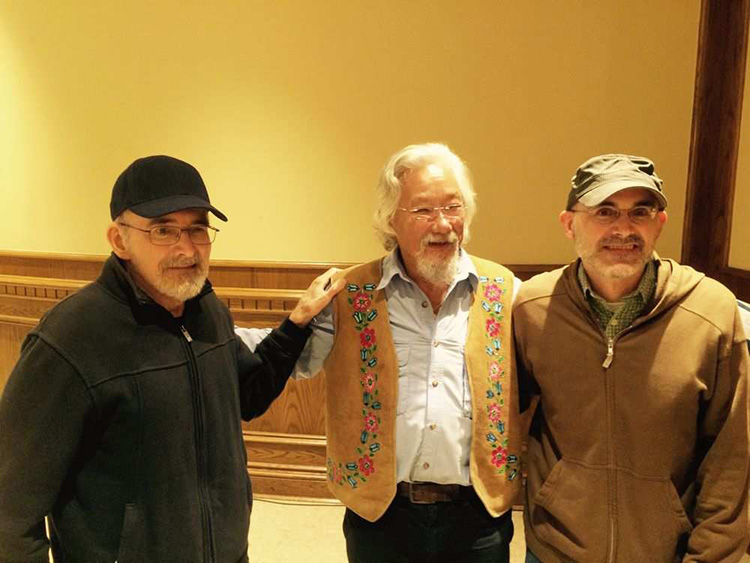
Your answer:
<point x="645" y="285"/>
<point x="393" y="266"/>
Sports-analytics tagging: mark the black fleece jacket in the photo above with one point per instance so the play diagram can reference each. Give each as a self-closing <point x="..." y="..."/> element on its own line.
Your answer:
<point x="123" y="425"/>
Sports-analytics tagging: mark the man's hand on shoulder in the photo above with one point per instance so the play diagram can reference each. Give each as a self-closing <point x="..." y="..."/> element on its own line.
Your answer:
<point x="317" y="296"/>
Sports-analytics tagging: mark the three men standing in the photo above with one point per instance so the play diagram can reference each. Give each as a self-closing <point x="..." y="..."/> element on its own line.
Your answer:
<point x="121" y="420"/>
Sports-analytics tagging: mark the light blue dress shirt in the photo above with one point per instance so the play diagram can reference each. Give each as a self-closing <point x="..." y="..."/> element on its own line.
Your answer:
<point x="433" y="417"/>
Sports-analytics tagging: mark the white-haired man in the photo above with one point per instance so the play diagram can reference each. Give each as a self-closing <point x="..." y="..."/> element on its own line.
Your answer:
<point x="421" y="405"/>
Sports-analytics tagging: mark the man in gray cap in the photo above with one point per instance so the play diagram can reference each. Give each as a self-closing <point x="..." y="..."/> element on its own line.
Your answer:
<point x="121" y="421"/>
<point x="638" y="448"/>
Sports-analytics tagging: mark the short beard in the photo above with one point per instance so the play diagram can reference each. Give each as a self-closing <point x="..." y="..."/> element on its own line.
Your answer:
<point x="441" y="272"/>
<point x="188" y="284"/>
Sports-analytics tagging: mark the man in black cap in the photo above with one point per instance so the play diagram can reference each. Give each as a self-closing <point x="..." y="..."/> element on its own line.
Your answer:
<point x="638" y="449"/>
<point x="121" y="421"/>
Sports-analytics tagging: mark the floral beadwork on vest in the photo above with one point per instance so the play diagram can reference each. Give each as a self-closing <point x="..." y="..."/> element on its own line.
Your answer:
<point x="491" y="292"/>
<point x="361" y="465"/>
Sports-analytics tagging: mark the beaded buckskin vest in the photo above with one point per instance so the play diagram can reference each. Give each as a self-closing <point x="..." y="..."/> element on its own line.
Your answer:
<point x="362" y="394"/>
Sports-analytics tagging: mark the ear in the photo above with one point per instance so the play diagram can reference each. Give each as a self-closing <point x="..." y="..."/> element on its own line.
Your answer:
<point x="117" y="242"/>
<point x="662" y="215"/>
<point x="566" y="220"/>
<point x="661" y="219"/>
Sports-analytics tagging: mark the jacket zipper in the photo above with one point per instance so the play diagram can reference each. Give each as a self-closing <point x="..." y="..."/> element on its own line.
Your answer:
<point x="612" y="455"/>
<point x="610" y="353"/>
<point x="608" y="359"/>
<point x="208" y="548"/>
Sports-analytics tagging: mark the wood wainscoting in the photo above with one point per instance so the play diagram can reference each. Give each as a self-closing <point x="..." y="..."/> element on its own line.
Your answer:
<point x="285" y="446"/>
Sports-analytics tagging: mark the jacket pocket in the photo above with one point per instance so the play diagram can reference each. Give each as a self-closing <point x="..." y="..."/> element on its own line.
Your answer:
<point x="402" y="356"/>
<point x="569" y="511"/>
<point x="652" y="523"/>
<point x="129" y="536"/>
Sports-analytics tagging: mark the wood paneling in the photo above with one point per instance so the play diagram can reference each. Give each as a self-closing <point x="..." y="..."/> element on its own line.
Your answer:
<point x="717" y="110"/>
<point x="41" y="265"/>
<point x="300" y="409"/>
<point x="11" y="338"/>
<point x="287" y="464"/>
<point x="285" y="446"/>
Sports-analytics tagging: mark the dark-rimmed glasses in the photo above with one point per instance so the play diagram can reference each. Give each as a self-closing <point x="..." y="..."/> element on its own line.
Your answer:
<point x="166" y="235"/>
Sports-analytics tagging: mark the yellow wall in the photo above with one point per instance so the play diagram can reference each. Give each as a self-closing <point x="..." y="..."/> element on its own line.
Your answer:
<point x="739" y="248"/>
<point x="290" y="107"/>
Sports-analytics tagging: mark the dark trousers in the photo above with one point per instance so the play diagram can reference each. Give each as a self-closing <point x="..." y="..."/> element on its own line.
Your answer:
<point x="459" y="531"/>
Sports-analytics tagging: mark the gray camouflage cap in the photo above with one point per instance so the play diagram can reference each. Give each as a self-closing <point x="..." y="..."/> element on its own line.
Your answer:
<point x="601" y="176"/>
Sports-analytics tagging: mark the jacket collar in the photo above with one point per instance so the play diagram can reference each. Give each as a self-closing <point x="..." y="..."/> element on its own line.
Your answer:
<point x="673" y="282"/>
<point x="118" y="281"/>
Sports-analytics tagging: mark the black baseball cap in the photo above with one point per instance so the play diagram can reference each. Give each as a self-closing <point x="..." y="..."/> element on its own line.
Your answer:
<point x="153" y="186"/>
<point x="601" y="176"/>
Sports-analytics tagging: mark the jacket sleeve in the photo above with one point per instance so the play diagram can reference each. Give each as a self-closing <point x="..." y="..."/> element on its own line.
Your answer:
<point x="264" y="372"/>
<point x="527" y="385"/>
<point x="42" y="412"/>
<point x="315" y="351"/>
<point x="721" y="528"/>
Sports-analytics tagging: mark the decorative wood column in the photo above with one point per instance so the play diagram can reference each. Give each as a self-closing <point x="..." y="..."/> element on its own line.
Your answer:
<point x="717" y="111"/>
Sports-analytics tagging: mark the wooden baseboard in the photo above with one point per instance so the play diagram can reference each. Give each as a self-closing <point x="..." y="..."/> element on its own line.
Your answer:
<point x="290" y="466"/>
<point x="285" y="446"/>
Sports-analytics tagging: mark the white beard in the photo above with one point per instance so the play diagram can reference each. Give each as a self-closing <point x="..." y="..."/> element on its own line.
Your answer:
<point x="438" y="270"/>
<point x="181" y="286"/>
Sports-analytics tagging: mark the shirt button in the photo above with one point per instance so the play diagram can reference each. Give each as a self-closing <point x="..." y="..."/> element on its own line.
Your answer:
<point x="434" y="383"/>
<point x="435" y="343"/>
<point x="433" y="426"/>
<point x="425" y="465"/>
<point x="425" y="304"/>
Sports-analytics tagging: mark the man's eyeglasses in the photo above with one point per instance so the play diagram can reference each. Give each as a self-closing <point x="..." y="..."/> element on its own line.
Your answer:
<point x="608" y="214"/>
<point x="166" y="235"/>
<point x="451" y="212"/>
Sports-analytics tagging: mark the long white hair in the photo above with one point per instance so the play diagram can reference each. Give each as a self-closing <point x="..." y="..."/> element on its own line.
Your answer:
<point x="415" y="157"/>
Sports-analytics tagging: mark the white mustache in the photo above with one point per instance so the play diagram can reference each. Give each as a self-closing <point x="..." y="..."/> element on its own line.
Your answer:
<point x="451" y="238"/>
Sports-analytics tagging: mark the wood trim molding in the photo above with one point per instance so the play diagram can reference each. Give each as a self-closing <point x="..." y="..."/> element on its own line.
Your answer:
<point x="717" y="111"/>
<point x="288" y="465"/>
<point x="223" y="273"/>
<point x="282" y="464"/>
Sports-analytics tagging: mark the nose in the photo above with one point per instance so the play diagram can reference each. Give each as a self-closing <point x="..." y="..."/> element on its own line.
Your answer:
<point x="623" y="224"/>
<point x="185" y="245"/>
<point x="441" y="224"/>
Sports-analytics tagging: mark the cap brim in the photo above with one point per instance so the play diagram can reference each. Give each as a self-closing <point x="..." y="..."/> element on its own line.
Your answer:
<point x="601" y="193"/>
<point x="166" y="205"/>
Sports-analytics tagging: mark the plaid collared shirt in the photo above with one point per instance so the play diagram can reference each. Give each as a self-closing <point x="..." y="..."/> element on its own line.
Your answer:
<point x="612" y="320"/>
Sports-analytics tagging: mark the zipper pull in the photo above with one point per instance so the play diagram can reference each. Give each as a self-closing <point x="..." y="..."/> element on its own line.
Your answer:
<point x="610" y="354"/>
<point x="186" y="334"/>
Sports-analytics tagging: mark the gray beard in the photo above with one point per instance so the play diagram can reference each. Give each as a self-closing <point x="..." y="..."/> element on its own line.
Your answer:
<point x="183" y="290"/>
<point x="439" y="273"/>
